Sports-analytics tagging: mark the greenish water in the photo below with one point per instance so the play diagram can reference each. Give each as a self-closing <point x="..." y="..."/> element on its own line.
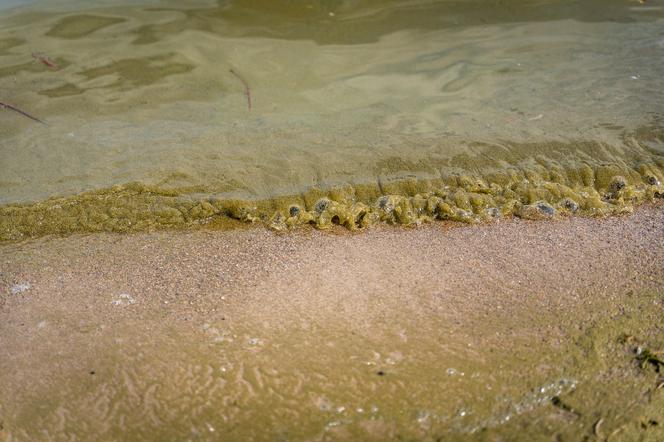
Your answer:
<point x="401" y="111"/>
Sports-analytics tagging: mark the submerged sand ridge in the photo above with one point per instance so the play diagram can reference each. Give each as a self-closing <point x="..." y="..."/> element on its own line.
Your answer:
<point x="516" y="329"/>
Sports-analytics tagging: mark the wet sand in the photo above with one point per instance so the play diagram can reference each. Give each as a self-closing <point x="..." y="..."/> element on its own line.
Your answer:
<point x="515" y="330"/>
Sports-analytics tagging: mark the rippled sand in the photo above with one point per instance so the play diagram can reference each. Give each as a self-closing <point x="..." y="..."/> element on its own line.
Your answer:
<point x="514" y="330"/>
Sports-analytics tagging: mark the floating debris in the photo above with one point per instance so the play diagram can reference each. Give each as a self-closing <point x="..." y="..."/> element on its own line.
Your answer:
<point x="247" y="90"/>
<point x="24" y="113"/>
<point x="646" y="356"/>
<point x="596" y="428"/>
<point x="48" y="62"/>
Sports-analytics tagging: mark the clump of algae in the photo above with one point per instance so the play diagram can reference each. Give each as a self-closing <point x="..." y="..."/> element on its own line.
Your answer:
<point x="531" y="193"/>
<point x="643" y="355"/>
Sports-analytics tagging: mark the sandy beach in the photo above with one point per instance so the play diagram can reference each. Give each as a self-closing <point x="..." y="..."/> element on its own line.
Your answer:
<point x="514" y="330"/>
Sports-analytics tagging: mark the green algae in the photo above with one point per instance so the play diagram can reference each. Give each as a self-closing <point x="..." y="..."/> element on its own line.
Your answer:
<point x="82" y="25"/>
<point x="317" y="20"/>
<point x="8" y="43"/>
<point x="617" y="396"/>
<point x="533" y="193"/>
<point x="648" y="357"/>
<point x="132" y="72"/>
<point x="65" y="90"/>
<point x="28" y="66"/>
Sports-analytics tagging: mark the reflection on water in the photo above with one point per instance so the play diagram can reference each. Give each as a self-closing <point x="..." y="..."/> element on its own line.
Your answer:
<point x="360" y="97"/>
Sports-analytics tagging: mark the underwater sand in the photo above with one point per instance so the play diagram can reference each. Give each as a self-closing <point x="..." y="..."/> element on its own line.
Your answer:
<point x="514" y="330"/>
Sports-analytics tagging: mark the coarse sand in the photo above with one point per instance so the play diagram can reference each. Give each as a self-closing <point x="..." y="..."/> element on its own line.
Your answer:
<point x="139" y="313"/>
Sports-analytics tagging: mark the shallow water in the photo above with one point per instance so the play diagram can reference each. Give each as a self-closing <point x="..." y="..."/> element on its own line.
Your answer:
<point x="479" y="109"/>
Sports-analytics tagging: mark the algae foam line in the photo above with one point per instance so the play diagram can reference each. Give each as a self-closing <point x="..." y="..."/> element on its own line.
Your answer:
<point x="543" y="191"/>
<point x="399" y="112"/>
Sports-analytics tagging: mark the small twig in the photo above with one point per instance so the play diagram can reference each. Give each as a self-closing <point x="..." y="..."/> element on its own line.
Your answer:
<point x="46" y="61"/>
<point x="25" y="114"/>
<point x="247" y="90"/>
<point x="616" y="431"/>
<point x="596" y="427"/>
<point x="557" y="402"/>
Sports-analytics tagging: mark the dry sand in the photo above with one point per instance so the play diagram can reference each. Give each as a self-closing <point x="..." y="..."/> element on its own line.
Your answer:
<point x="249" y="334"/>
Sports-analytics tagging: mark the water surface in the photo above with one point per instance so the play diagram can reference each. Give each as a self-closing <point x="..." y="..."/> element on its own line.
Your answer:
<point x="360" y="111"/>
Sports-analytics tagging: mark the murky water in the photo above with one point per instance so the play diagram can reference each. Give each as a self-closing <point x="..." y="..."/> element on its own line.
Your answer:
<point x="359" y="111"/>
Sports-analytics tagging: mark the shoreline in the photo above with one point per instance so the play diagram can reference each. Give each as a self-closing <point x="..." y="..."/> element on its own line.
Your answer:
<point x="534" y="192"/>
<point x="496" y="330"/>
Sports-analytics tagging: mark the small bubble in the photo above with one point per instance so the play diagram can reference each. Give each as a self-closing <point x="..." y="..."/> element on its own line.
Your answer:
<point x="545" y="208"/>
<point x="321" y="205"/>
<point x="324" y="404"/>
<point x="19" y="288"/>
<point x="570" y="204"/>
<point x="422" y="416"/>
<point x="124" y="299"/>
<point x="653" y="181"/>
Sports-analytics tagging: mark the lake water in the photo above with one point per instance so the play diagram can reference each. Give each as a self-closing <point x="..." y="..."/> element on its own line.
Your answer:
<point x="163" y="115"/>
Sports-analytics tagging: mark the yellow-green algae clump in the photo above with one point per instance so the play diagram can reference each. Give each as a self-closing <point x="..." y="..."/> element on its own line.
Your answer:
<point x="536" y="192"/>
